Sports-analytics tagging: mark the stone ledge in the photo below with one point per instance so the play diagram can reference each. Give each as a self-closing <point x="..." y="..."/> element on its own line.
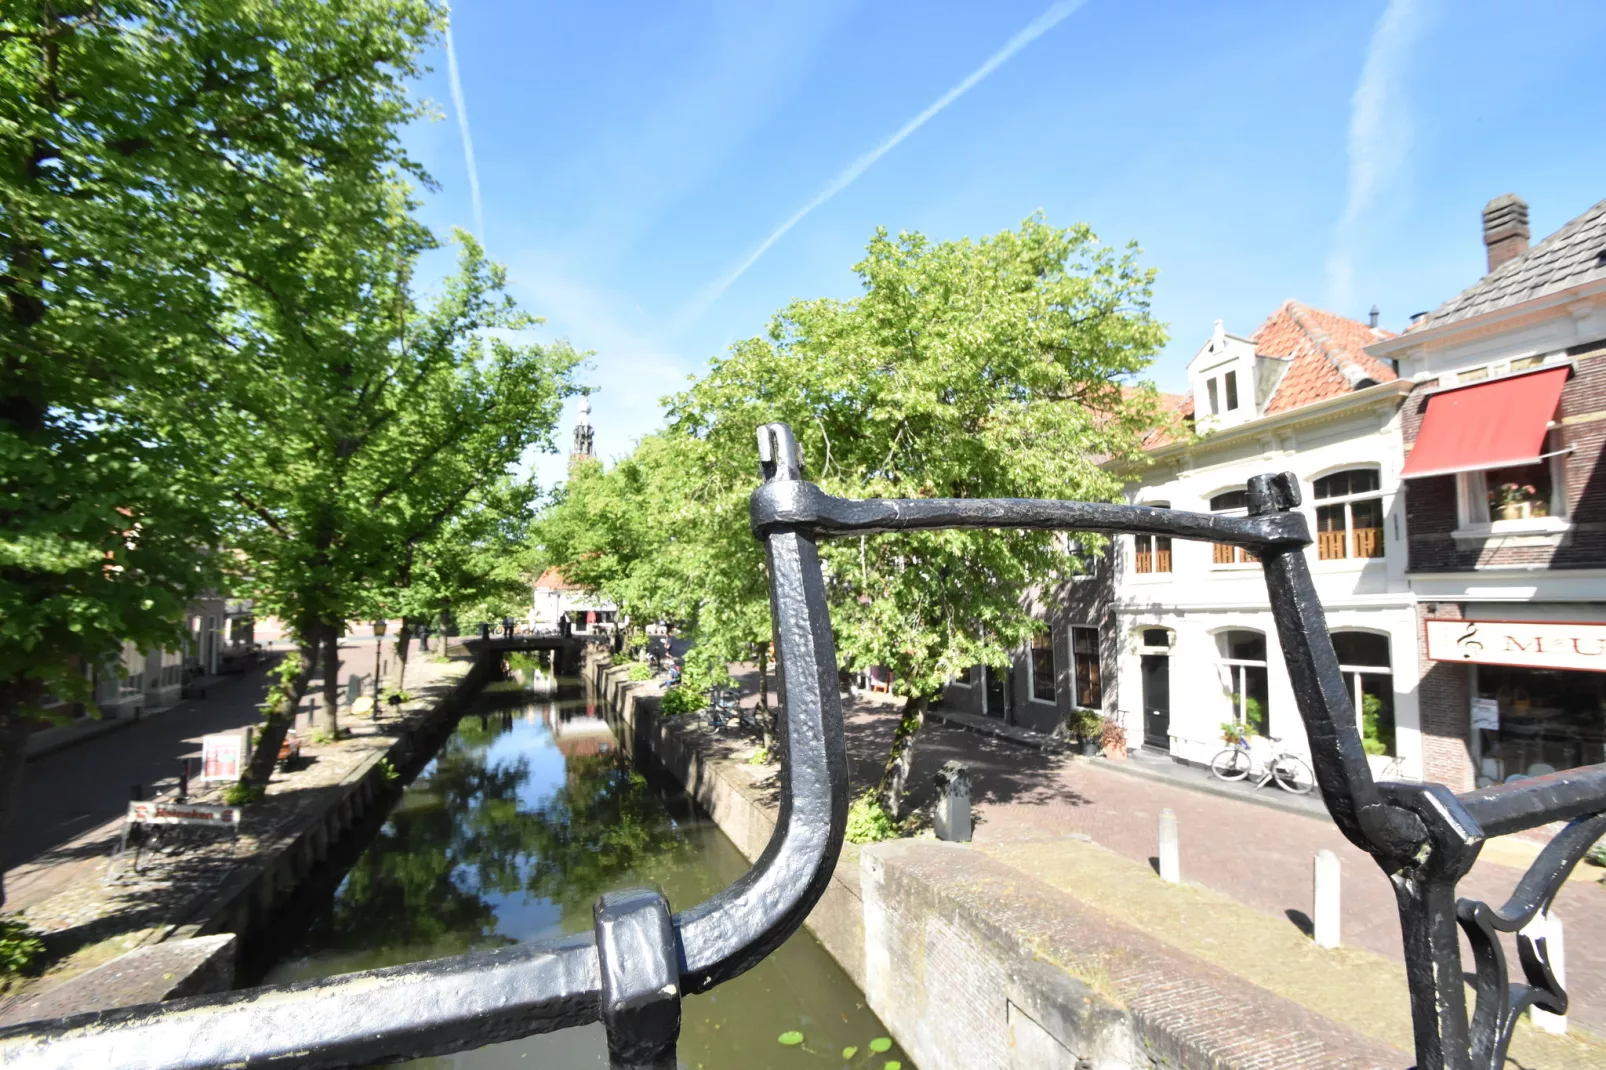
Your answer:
<point x="147" y="974"/>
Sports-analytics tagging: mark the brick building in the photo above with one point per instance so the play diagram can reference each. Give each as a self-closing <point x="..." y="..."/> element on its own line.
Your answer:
<point x="1504" y="505"/>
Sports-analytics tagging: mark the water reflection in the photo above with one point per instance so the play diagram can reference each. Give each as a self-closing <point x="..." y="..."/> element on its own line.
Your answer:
<point x="510" y="834"/>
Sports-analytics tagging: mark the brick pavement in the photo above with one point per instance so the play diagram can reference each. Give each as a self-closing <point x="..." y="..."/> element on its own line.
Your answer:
<point x="1257" y="855"/>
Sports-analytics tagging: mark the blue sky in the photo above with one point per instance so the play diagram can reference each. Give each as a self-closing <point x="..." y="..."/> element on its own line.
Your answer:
<point x="632" y="158"/>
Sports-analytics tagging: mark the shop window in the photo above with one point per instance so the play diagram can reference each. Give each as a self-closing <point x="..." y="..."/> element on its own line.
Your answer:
<point x="1546" y="720"/>
<point x="1231" y="503"/>
<point x="1152" y="552"/>
<point x="1363" y="657"/>
<point x="1243" y="659"/>
<point x="1522" y="492"/>
<point x="1231" y="381"/>
<point x="1349" y="515"/>
<point x="1085" y="653"/>
<point x="1044" y="670"/>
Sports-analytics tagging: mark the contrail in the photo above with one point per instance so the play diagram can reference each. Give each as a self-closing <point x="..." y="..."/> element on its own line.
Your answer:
<point x="468" y="141"/>
<point x="1050" y="18"/>
<point x="1379" y="134"/>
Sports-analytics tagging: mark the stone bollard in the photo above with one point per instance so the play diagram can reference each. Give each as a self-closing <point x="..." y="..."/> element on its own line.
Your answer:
<point x="952" y="819"/>
<point x="1546" y="926"/>
<point x="1324" y="911"/>
<point x="1170" y="856"/>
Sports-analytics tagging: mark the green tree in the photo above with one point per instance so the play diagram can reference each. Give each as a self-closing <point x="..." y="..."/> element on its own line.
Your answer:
<point x="372" y="421"/>
<point x="1004" y="367"/>
<point x="146" y="147"/>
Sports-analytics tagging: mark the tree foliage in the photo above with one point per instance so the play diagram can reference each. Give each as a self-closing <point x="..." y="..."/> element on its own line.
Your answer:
<point x="1005" y="367"/>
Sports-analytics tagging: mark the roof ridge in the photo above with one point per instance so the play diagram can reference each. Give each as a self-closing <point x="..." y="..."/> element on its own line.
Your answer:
<point x="1335" y="355"/>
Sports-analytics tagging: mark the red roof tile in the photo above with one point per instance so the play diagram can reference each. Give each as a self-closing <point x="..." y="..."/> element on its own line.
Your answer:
<point x="552" y="580"/>
<point x="1326" y="355"/>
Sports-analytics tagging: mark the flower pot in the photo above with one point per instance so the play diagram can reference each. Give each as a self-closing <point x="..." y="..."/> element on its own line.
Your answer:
<point x="1090" y="748"/>
<point x="1516" y="511"/>
<point x="1116" y="752"/>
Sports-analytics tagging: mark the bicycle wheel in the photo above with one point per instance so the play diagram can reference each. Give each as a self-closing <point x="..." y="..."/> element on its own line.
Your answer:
<point x="1292" y="774"/>
<point x="1231" y="764"/>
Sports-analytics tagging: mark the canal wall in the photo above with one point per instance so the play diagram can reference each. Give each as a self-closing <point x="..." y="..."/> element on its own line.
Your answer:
<point x="973" y="963"/>
<point x="229" y="913"/>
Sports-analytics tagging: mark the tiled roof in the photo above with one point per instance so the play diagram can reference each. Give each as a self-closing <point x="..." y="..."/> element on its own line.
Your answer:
<point x="1574" y="254"/>
<point x="1181" y="406"/>
<point x="1326" y="355"/>
<point x="552" y="580"/>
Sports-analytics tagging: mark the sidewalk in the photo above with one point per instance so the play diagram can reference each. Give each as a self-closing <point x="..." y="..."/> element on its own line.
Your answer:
<point x="1259" y="856"/>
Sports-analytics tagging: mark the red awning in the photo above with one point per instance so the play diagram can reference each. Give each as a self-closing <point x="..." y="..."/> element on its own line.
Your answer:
<point x="1495" y="424"/>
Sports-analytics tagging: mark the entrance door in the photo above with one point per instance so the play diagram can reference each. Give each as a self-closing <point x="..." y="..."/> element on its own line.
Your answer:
<point x="997" y="696"/>
<point x="1157" y="701"/>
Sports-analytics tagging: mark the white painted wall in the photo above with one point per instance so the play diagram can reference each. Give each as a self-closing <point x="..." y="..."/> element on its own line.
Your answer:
<point x="1198" y="599"/>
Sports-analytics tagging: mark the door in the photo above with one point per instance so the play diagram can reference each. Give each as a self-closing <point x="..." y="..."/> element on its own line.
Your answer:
<point x="1157" y="701"/>
<point x="997" y="698"/>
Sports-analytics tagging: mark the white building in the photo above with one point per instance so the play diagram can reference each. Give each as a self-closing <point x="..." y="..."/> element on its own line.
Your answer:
<point x="1189" y="624"/>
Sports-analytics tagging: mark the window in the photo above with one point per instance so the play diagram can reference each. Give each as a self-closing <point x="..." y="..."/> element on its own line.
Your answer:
<point x="1210" y="388"/>
<point x="1086" y="558"/>
<point x="1522" y="492"/>
<point x="1232" y="503"/>
<point x="1349" y="515"/>
<point x="1243" y="656"/>
<point x="1152" y="552"/>
<point x="1085" y="654"/>
<point x="1548" y="720"/>
<point x="1232" y="390"/>
<point x="1043" y="669"/>
<point x="965" y="677"/>
<point x="1364" y="659"/>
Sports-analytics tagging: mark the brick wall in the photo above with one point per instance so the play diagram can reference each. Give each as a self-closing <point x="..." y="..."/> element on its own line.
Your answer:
<point x="1444" y="699"/>
<point x="1430" y="506"/>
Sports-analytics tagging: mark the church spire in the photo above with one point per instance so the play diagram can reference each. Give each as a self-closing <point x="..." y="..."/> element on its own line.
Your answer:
<point x="584" y="448"/>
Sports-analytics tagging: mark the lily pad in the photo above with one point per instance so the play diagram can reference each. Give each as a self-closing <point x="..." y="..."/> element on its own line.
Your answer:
<point x="850" y="1051"/>
<point x="791" y="1038"/>
<point x="881" y="1044"/>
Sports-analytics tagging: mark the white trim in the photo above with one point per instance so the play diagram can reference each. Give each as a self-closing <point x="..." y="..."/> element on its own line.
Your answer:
<point x="1486" y="380"/>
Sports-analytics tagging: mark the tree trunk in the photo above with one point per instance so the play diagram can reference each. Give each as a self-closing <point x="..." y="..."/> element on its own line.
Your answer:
<point x="278" y="718"/>
<point x="900" y="759"/>
<point x="329" y="715"/>
<point x="403" y="641"/>
<point x="13" y="757"/>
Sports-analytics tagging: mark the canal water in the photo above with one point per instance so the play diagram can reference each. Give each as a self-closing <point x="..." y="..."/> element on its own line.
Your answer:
<point x="530" y="811"/>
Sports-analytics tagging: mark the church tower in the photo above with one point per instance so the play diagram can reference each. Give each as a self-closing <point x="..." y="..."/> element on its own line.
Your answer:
<point x="584" y="448"/>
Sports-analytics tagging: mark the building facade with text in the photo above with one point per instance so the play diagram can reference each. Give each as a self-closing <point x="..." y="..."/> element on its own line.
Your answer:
<point x="1506" y="507"/>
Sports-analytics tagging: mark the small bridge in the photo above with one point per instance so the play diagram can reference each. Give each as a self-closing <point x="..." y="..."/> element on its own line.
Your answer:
<point x="567" y="648"/>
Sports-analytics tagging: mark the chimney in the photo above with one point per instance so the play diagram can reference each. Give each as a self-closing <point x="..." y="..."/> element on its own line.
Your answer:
<point x="1505" y="229"/>
<point x="1371" y="319"/>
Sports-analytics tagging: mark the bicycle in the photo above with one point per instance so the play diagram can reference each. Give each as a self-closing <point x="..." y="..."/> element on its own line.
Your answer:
<point x="723" y="705"/>
<point x="1287" y="769"/>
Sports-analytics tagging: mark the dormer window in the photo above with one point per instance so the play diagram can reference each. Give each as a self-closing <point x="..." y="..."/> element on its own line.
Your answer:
<point x="1215" y="404"/>
<point x="1232" y="390"/>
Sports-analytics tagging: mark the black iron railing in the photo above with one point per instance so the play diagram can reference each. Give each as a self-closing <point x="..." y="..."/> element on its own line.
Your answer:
<point x="631" y="970"/>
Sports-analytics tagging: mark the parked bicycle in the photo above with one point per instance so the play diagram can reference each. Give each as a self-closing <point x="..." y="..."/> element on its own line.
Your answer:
<point x="1287" y="769"/>
<point x="724" y="706"/>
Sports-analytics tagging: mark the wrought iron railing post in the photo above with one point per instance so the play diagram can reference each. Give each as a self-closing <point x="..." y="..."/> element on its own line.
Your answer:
<point x="631" y="971"/>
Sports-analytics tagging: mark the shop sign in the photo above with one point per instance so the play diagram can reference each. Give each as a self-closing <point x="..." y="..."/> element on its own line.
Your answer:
<point x="1530" y="644"/>
<point x="223" y="756"/>
<point x="151" y="812"/>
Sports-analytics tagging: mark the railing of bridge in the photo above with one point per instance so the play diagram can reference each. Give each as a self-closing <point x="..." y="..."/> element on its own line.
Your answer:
<point x="631" y="971"/>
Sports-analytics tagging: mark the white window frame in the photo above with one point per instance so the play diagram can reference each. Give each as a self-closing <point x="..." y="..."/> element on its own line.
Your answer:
<point x="1234" y="565"/>
<point x="1472" y="500"/>
<point x="1154" y="550"/>
<point x="1235" y="668"/>
<point x="1356" y="671"/>
<point x="1347" y="500"/>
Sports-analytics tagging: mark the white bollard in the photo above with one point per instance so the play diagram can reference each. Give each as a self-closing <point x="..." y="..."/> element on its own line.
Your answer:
<point x="1324" y="914"/>
<point x="1170" y="859"/>
<point x="1547" y="926"/>
<point x="951" y="821"/>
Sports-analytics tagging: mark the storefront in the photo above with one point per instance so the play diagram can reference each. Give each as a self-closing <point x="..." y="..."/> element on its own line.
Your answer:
<point x="1537" y="689"/>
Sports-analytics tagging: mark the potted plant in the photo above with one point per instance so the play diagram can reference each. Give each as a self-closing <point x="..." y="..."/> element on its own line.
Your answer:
<point x="1088" y="726"/>
<point x="1234" y="734"/>
<point x="1113" y="735"/>
<point x="1517" y="501"/>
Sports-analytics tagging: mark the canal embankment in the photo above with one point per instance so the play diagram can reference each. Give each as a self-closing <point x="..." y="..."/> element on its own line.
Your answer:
<point x="1036" y="946"/>
<point x="193" y="920"/>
